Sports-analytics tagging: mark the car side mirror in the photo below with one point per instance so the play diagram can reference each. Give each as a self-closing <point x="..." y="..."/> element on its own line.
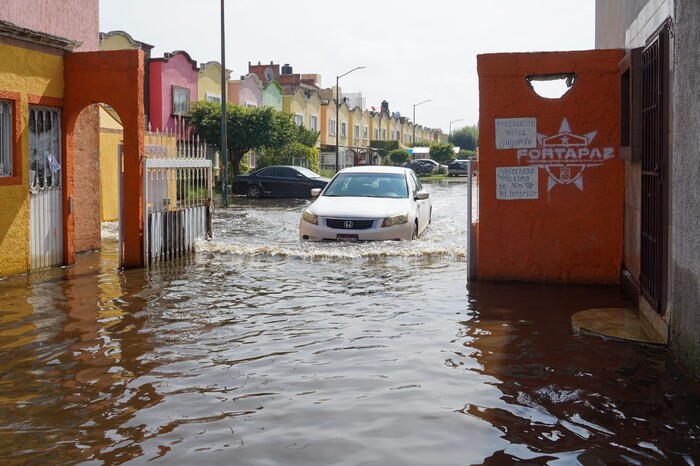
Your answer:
<point x="315" y="192"/>
<point x="422" y="195"/>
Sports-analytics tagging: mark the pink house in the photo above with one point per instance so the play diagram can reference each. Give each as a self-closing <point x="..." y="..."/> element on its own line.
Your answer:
<point x="173" y="87"/>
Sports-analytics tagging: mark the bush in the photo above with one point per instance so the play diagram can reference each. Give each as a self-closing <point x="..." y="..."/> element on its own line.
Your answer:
<point x="399" y="156"/>
<point x="442" y="153"/>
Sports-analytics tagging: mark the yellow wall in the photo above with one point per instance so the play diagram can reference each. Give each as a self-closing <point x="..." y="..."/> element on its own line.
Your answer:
<point x="118" y="41"/>
<point x="29" y="73"/>
<point x="209" y="81"/>
<point x="111" y="135"/>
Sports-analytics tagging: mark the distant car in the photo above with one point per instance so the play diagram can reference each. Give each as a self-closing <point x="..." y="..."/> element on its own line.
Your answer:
<point x="368" y="203"/>
<point x="458" y="167"/>
<point x="423" y="166"/>
<point x="279" y="181"/>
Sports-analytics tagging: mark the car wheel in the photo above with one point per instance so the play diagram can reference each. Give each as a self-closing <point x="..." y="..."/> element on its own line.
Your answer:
<point x="414" y="234"/>
<point x="254" y="191"/>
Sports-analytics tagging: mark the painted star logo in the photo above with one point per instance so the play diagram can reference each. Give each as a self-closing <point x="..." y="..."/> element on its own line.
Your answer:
<point x="565" y="156"/>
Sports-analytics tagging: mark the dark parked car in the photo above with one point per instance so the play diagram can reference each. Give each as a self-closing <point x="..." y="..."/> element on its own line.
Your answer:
<point x="279" y="181"/>
<point x="458" y="167"/>
<point x="423" y="166"/>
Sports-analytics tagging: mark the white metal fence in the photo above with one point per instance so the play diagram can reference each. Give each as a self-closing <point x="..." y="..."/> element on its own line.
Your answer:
<point x="46" y="196"/>
<point x="177" y="194"/>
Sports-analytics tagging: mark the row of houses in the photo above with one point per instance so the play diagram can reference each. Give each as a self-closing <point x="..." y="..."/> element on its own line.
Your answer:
<point x="173" y="82"/>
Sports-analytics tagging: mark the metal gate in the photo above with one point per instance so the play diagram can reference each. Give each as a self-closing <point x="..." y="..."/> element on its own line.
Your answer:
<point x="177" y="195"/>
<point x="45" y="199"/>
<point x="652" y="278"/>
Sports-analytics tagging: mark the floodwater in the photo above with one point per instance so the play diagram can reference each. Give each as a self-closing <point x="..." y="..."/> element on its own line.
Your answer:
<point x="261" y="350"/>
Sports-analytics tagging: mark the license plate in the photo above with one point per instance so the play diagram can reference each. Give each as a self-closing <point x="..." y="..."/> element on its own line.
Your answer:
<point x="341" y="237"/>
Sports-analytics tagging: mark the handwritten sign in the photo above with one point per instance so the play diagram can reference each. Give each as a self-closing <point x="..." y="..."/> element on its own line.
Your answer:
<point x="514" y="183"/>
<point x="516" y="133"/>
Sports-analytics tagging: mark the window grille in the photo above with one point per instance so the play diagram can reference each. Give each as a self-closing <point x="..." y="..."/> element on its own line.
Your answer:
<point x="6" y="168"/>
<point x="181" y="100"/>
<point x="44" y="147"/>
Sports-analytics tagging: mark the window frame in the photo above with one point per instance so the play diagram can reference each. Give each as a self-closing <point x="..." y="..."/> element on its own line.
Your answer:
<point x="14" y="138"/>
<point x="313" y="122"/>
<point x="179" y="90"/>
<point x="332" y="126"/>
<point x="343" y="129"/>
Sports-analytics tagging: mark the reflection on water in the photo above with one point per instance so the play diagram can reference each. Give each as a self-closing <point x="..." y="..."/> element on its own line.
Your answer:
<point x="263" y="350"/>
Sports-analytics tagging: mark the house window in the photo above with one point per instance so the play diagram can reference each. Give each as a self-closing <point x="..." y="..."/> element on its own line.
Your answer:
<point x="299" y="119"/>
<point x="376" y="133"/>
<point x="392" y="134"/>
<point x="5" y="138"/>
<point x="365" y="132"/>
<point x="343" y="129"/>
<point x="313" y="123"/>
<point x="357" y="131"/>
<point x="44" y="147"/>
<point x="213" y="98"/>
<point x="384" y="134"/>
<point x="181" y="100"/>
<point x="331" y="125"/>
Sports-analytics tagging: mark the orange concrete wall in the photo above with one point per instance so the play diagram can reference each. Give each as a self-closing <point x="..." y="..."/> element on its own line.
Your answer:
<point x="114" y="78"/>
<point x="551" y="182"/>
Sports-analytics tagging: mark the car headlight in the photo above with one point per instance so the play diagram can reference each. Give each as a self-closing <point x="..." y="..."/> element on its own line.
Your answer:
<point x="309" y="217"/>
<point x="395" y="220"/>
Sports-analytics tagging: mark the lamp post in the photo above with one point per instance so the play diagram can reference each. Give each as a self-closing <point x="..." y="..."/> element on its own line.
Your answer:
<point x="414" y="119"/>
<point x="224" y="148"/>
<point x="337" y="115"/>
<point x="453" y="121"/>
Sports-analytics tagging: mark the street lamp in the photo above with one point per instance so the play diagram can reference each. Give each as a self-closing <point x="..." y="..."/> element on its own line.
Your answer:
<point x="453" y="121"/>
<point x="414" y="119"/>
<point x="224" y="148"/>
<point x="337" y="115"/>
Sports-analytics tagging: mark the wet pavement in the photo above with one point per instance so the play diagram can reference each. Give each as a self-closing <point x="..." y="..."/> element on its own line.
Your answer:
<point x="262" y="350"/>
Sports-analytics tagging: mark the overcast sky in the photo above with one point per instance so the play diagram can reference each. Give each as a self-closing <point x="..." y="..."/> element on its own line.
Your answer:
<point x="413" y="51"/>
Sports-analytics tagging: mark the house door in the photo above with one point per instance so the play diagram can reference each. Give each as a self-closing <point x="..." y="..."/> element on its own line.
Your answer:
<point x="45" y="205"/>
<point x="654" y="192"/>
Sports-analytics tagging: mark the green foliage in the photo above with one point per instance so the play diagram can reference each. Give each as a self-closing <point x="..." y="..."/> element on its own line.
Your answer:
<point x="385" y="146"/>
<point x="466" y="154"/>
<point x="398" y="156"/>
<point x="442" y="153"/>
<point x="307" y="137"/>
<point x="247" y="128"/>
<point x="290" y="155"/>
<point x="466" y="138"/>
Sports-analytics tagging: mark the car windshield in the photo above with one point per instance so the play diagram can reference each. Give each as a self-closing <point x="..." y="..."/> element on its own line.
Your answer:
<point x="368" y="185"/>
<point x="307" y="173"/>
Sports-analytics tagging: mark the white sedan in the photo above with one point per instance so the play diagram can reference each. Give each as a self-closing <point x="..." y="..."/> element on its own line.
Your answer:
<point x="368" y="203"/>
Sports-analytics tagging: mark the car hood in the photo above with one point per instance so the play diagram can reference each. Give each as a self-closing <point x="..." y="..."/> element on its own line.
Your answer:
<point x="359" y="207"/>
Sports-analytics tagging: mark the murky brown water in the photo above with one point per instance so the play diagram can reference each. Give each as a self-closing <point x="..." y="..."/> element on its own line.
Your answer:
<point x="260" y="350"/>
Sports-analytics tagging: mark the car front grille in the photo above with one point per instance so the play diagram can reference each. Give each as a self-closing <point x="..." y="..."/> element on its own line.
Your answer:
<point x="348" y="224"/>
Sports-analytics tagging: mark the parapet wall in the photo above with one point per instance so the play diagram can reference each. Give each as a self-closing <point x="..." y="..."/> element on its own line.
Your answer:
<point x="551" y="182"/>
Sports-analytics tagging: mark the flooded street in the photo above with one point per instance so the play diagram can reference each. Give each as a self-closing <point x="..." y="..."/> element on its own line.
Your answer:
<point x="261" y="350"/>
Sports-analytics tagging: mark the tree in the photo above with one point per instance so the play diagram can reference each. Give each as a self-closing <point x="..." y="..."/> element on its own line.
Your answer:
<point x="399" y="156"/>
<point x="466" y="138"/>
<point x="287" y="155"/>
<point x="247" y="128"/>
<point x="442" y="153"/>
<point x="307" y="137"/>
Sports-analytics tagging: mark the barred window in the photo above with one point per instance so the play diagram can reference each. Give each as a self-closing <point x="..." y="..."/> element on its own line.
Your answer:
<point x="181" y="100"/>
<point x="5" y="138"/>
<point x="44" y="147"/>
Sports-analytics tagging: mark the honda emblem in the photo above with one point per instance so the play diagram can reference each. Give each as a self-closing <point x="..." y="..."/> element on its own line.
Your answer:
<point x="348" y="224"/>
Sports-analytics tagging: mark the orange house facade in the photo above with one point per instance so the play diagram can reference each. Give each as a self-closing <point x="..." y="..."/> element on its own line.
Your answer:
<point x="47" y="93"/>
